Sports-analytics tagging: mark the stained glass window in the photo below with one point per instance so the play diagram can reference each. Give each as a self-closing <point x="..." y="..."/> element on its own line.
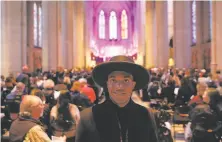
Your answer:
<point x="124" y="25"/>
<point x="40" y="27"/>
<point x="101" y="25"/>
<point x="194" y="37"/>
<point x="170" y="18"/>
<point x="37" y="24"/>
<point x="112" y="25"/>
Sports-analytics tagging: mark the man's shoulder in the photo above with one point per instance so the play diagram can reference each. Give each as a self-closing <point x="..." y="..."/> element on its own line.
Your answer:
<point x="144" y="112"/>
<point x="37" y="133"/>
<point x="139" y="108"/>
<point x="36" y="128"/>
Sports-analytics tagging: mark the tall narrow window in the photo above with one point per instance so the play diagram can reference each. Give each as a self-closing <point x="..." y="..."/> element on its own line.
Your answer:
<point x="170" y="18"/>
<point x="124" y="25"/>
<point x="112" y="25"/>
<point x="194" y="37"/>
<point x="101" y="25"/>
<point x="210" y="19"/>
<point x="37" y="24"/>
<point x="40" y="27"/>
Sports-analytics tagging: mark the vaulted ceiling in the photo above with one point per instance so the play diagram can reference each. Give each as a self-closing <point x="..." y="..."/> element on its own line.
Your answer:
<point x="129" y="4"/>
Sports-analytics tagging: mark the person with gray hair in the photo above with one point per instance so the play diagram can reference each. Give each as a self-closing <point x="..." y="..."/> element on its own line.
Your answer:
<point x="18" y="90"/>
<point x="49" y="92"/>
<point x="27" y="127"/>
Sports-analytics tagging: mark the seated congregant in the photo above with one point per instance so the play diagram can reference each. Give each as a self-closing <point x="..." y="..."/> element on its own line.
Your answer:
<point x="80" y="100"/>
<point x="19" y="91"/>
<point x="27" y="127"/>
<point x="198" y="99"/>
<point x="64" y="117"/>
<point x="49" y="92"/>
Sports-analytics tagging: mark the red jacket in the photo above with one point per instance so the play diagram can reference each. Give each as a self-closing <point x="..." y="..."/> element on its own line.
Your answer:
<point x="89" y="92"/>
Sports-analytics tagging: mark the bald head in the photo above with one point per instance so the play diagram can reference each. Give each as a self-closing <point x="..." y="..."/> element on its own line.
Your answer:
<point x="33" y="105"/>
<point x="25" y="68"/>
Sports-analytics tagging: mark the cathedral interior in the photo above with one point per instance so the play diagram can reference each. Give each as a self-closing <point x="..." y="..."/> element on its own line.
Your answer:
<point x="75" y="36"/>
<point x="84" y="33"/>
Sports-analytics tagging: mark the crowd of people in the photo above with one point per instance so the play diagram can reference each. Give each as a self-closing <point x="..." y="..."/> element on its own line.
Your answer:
<point x="82" y="104"/>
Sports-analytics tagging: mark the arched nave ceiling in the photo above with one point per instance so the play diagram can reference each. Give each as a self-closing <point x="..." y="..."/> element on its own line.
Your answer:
<point x="128" y="4"/>
<point x="113" y="5"/>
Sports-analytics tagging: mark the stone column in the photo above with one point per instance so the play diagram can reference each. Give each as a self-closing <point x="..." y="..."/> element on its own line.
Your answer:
<point x="70" y="17"/>
<point x="66" y="49"/>
<point x="182" y="34"/>
<point x="214" y="38"/>
<point x="89" y="31"/>
<point x="205" y="21"/>
<point x="59" y="34"/>
<point x="78" y="35"/>
<point x="150" y="31"/>
<point x="199" y="31"/>
<point x="162" y="33"/>
<point x="4" y="39"/>
<point x="139" y="30"/>
<point x="50" y="35"/>
<point x="30" y="34"/>
<point x="24" y="32"/>
<point x="219" y="35"/>
<point x="216" y="48"/>
<point x="66" y="19"/>
<point x="62" y="58"/>
<point x="13" y="33"/>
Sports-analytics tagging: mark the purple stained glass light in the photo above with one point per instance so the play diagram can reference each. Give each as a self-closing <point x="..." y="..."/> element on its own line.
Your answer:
<point x="35" y="24"/>
<point x="101" y="25"/>
<point x="194" y="31"/>
<point x="40" y="27"/>
<point x="112" y="25"/>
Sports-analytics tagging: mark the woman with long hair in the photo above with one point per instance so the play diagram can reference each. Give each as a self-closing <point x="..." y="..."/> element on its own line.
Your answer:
<point x="64" y="117"/>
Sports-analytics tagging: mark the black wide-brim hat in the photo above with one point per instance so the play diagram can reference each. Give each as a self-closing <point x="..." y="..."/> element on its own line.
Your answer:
<point x="121" y="63"/>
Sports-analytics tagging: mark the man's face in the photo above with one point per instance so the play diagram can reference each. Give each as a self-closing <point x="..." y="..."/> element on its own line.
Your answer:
<point x="120" y="86"/>
<point x="38" y="109"/>
<point x="20" y="88"/>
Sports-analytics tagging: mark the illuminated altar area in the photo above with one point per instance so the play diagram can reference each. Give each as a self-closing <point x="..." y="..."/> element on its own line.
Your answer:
<point x="104" y="53"/>
<point x="114" y="31"/>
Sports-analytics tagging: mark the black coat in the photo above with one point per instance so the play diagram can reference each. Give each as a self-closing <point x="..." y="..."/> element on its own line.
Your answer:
<point x="99" y="124"/>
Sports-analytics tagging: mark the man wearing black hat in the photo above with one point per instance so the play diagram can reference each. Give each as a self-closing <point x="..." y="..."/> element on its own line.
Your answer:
<point x="118" y="119"/>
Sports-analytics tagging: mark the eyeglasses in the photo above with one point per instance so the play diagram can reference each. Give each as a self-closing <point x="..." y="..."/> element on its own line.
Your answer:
<point x="49" y="89"/>
<point x="124" y="83"/>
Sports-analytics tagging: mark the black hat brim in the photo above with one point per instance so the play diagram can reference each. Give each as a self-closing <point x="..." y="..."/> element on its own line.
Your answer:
<point x="140" y="74"/>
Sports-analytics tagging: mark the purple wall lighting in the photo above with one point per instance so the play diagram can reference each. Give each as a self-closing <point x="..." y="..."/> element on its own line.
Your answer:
<point x="112" y="30"/>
